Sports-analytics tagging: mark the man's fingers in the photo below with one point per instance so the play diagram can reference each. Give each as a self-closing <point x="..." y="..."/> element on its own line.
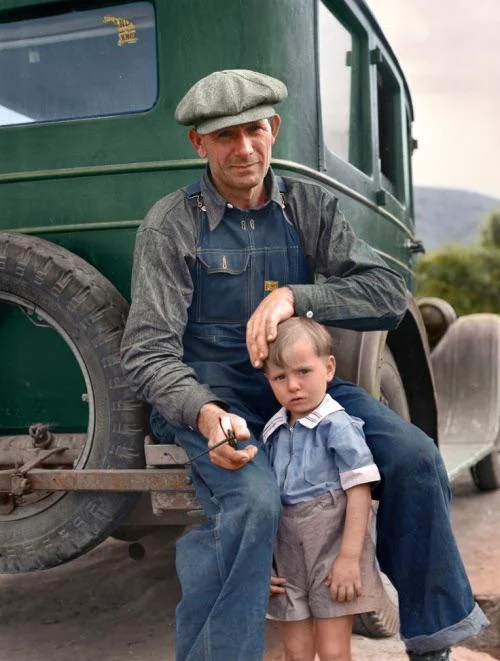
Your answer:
<point x="262" y="325"/>
<point x="225" y="424"/>
<point x="277" y="585"/>
<point x="240" y="429"/>
<point x="256" y="343"/>
<point x="226" y="457"/>
<point x="230" y="424"/>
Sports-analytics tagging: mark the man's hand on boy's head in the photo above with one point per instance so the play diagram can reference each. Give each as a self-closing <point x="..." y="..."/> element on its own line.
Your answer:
<point x="262" y="325"/>
<point x="213" y="422"/>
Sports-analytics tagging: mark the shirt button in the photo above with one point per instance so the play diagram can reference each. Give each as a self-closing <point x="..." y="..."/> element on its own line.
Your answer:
<point x="309" y="314"/>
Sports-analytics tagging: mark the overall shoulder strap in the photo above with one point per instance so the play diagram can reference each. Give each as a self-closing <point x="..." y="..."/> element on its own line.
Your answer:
<point x="194" y="196"/>
<point x="281" y="184"/>
<point x="192" y="191"/>
<point x="282" y="189"/>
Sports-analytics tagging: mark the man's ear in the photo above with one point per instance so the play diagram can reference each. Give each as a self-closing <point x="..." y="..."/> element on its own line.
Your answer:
<point x="330" y="368"/>
<point x="197" y="140"/>
<point x="275" y="123"/>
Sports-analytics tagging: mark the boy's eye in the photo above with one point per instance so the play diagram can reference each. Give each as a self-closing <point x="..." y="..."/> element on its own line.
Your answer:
<point x="278" y="377"/>
<point x="304" y="370"/>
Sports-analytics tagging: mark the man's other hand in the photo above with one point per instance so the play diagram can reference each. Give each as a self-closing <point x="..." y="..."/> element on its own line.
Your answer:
<point x="212" y="423"/>
<point x="277" y="585"/>
<point x="262" y="325"/>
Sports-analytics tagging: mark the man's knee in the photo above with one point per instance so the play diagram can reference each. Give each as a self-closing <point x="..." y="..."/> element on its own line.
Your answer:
<point x="412" y="452"/>
<point x="255" y="499"/>
<point x="416" y="467"/>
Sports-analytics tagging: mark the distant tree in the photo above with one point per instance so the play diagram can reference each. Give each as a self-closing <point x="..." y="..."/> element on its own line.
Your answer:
<point x="468" y="278"/>
<point x="490" y="232"/>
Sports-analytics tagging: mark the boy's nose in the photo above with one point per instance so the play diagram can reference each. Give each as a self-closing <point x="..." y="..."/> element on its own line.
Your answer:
<point x="293" y="384"/>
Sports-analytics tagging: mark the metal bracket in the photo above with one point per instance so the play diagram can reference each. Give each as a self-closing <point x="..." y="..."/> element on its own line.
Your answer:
<point x="17" y="483"/>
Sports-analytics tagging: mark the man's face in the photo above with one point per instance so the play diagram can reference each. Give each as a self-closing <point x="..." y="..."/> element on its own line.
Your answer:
<point x="239" y="156"/>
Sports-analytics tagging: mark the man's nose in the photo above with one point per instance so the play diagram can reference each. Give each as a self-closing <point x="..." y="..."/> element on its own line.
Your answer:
<point x="244" y="145"/>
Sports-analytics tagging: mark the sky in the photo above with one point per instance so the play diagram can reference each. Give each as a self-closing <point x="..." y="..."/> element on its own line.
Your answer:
<point x="450" y="53"/>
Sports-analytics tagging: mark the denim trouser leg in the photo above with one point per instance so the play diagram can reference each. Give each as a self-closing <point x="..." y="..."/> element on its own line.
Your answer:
<point x="224" y="566"/>
<point x="415" y="544"/>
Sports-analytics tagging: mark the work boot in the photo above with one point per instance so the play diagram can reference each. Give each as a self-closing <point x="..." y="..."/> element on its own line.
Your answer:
<point x="438" y="655"/>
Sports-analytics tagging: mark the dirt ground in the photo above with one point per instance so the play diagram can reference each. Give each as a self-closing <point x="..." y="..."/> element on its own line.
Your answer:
<point x="108" y="607"/>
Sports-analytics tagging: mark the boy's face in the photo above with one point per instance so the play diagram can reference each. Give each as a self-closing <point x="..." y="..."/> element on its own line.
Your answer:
<point x="301" y="384"/>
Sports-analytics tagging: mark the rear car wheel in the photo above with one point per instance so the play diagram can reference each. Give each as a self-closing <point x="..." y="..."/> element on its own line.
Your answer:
<point x="486" y="473"/>
<point x="384" y="622"/>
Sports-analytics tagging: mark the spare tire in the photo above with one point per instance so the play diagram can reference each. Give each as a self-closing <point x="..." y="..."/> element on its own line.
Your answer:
<point x="67" y="294"/>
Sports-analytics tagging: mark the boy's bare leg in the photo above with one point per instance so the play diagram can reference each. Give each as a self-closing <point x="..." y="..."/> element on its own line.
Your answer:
<point x="333" y="638"/>
<point x="298" y="640"/>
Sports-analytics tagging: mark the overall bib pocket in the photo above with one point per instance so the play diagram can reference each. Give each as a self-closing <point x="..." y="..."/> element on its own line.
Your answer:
<point x="223" y="293"/>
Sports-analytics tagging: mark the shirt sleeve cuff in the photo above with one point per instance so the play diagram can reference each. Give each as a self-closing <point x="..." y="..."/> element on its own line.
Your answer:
<point x="196" y="402"/>
<point x="361" y="475"/>
<point x="302" y="300"/>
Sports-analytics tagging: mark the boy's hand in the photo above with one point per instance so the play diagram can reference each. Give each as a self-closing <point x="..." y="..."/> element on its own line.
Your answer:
<point x="277" y="585"/>
<point x="344" y="579"/>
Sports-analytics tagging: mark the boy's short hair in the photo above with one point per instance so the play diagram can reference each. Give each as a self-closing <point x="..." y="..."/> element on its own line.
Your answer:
<point x="290" y="330"/>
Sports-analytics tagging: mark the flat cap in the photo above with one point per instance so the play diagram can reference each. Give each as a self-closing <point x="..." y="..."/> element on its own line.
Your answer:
<point x="226" y="98"/>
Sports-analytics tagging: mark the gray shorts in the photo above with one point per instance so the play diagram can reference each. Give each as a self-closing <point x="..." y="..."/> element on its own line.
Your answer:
<point x="308" y="542"/>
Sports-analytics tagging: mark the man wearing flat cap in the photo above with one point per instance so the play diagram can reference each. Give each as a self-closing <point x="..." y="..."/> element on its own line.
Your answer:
<point x="217" y="266"/>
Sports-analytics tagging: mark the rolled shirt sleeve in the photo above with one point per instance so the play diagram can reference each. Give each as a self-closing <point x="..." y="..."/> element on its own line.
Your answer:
<point x="352" y="455"/>
<point x="152" y="348"/>
<point x="354" y="287"/>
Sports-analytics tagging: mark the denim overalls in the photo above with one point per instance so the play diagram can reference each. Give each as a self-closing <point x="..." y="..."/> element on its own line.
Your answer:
<point x="224" y="565"/>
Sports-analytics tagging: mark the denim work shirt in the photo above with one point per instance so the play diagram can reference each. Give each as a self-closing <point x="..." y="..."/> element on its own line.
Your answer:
<point x="323" y="451"/>
<point x="353" y="287"/>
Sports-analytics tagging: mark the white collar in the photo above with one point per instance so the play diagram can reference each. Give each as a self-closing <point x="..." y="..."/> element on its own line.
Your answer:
<point x="328" y="405"/>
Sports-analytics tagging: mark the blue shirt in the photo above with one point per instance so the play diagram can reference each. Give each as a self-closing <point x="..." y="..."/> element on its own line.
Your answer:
<point x="323" y="451"/>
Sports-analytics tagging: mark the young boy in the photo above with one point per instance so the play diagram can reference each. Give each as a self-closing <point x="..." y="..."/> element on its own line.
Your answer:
<point x="324" y="470"/>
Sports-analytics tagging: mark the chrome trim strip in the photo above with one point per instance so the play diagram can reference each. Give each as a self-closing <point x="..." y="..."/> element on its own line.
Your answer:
<point x="334" y="183"/>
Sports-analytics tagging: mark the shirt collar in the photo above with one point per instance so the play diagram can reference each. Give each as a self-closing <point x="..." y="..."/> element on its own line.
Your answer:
<point x="327" y="406"/>
<point x="216" y="205"/>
